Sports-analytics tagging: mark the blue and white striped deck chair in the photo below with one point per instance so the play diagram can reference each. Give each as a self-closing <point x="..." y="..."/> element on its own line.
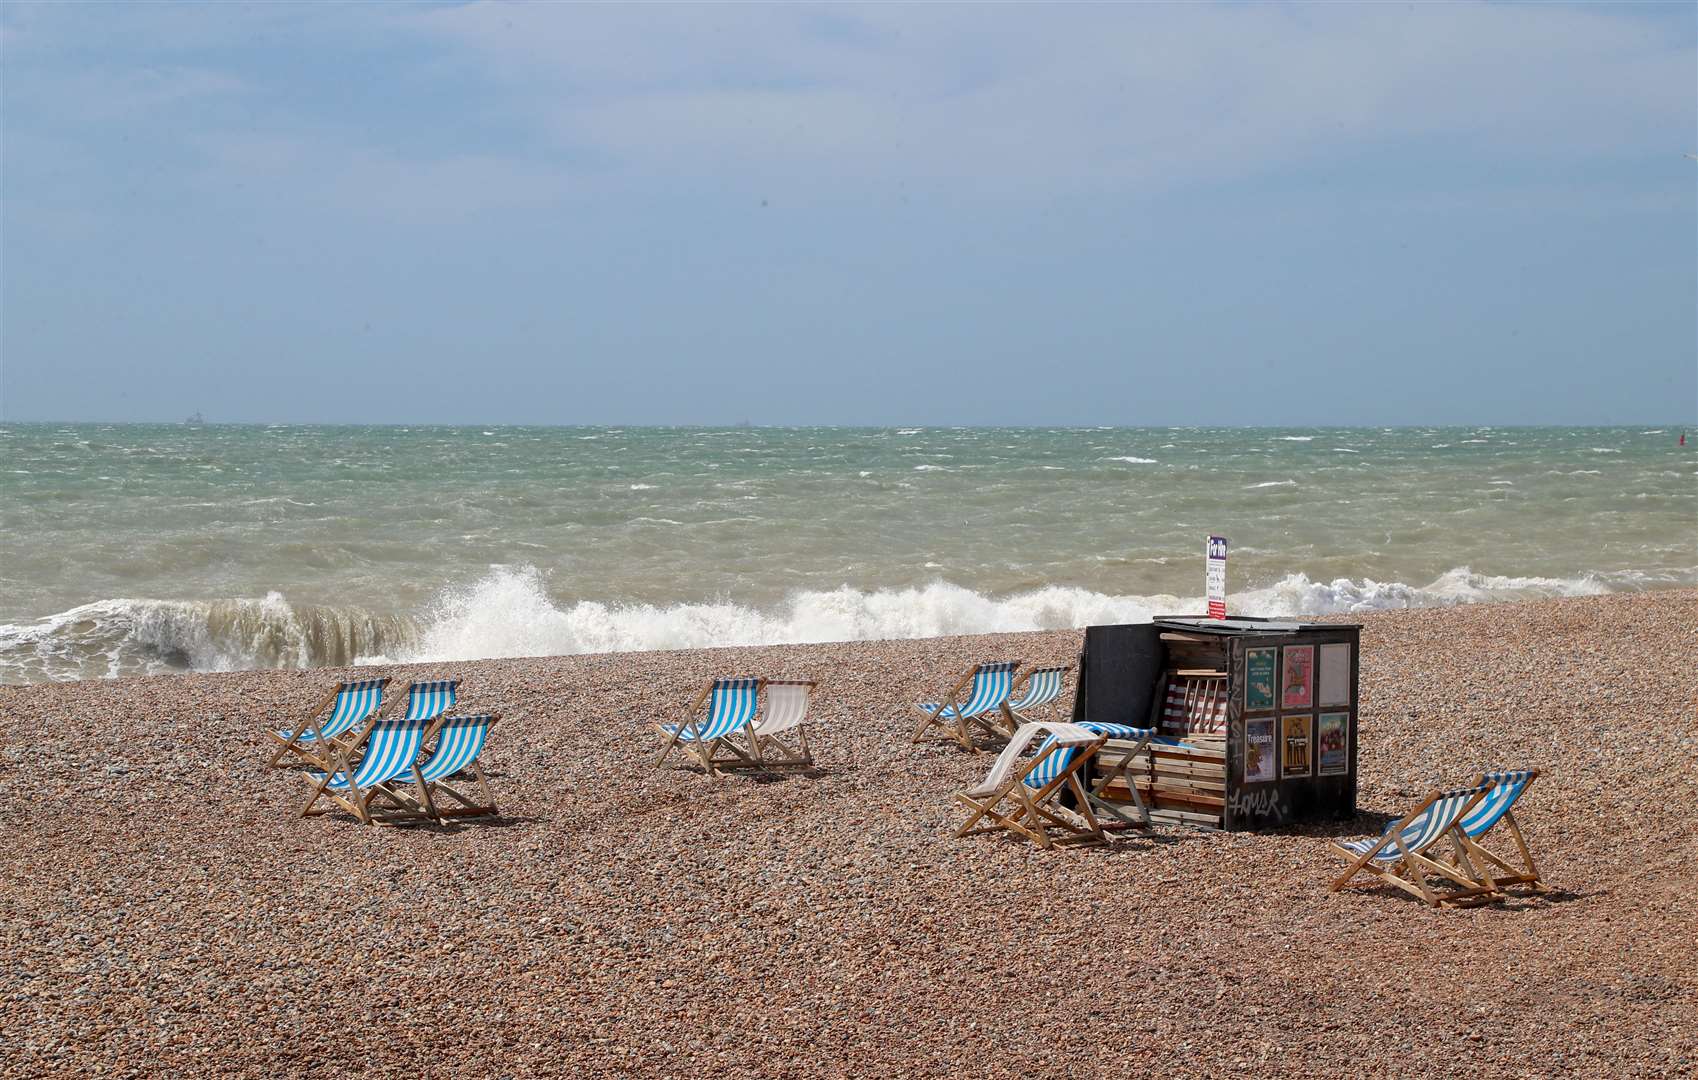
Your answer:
<point x="350" y="703"/>
<point x="1402" y="856"/>
<point x="428" y="699"/>
<point x="1042" y="686"/>
<point x="1506" y="789"/>
<point x="1029" y="788"/>
<point x="390" y="750"/>
<point x="459" y="741"/>
<point x="1052" y="766"/>
<point x="980" y="695"/>
<point x="731" y="705"/>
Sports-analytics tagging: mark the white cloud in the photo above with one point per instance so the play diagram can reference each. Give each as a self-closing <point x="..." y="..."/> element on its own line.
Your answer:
<point x="1120" y="95"/>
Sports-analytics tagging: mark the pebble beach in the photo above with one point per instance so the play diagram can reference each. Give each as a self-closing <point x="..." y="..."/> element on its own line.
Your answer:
<point x="164" y="911"/>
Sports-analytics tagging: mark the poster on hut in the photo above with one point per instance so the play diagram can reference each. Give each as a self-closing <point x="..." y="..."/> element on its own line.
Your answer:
<point x="1332" y="744"/>
<point x="1259" y="751"/>
<point x="1297" y="679"/>
<point x="1261" y="679"/>
<point x="1295" y="743"/>
<point x="1334" y="679"/>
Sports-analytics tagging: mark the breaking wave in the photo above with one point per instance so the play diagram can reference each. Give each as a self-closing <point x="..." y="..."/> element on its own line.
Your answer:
<point x="510" y="612"/>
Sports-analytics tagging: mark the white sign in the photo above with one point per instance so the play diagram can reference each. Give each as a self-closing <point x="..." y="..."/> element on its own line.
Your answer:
<point x="1215" y="577"/>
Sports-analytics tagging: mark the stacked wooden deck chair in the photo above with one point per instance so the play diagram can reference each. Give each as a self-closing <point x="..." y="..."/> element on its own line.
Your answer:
<point x="1020" y="796"/>
<point x="1133" y="744"/>
<point x="1496" y="806"/>
<point x="1042" y="686"/>
<point x="1407" y="856"/>
<point x="389" y="749"/>
<point x="731" y="706"/>
<point x="424" y="793"/>
<point x="979" y="699"/>
<point x="1194" y="703"/>
<point x="317" y="737"/>
<point x="780" y="733"/>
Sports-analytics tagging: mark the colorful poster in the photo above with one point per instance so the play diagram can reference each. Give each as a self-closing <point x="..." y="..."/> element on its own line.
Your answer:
<point x="1298" y="678"/>
<point x="1334" y="682"/>
<point x="1259" y="751"/>
<point x="1261" y="679"/>
<point x="1332" y="742"/>
<point x="1214" y="576"/>
<point x="1294" y="745"/>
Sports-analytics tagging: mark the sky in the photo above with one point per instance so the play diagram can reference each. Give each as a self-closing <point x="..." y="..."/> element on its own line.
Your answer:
<point x="881" y="214"/>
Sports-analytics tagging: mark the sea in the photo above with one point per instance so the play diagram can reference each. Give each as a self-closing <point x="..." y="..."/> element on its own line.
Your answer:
<point x="145" y="549"/>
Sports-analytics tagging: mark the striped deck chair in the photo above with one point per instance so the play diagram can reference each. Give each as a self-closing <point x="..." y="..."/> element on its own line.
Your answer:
<point x="985" y="701"/>
<point x="1042" y="685"/>
<point x="459" y="741"/>
<point x="1030" y="787"/>
<point x="428" y="699"/>
<point x="780" y="732"/>
<point x="1139" y="740"/>
<point x="1194" y="703"/>
<point x="1506" y="788"/>
<point x="731" y="706"/>
<point x="1404" y="857"/>
<point x="389" y="749"/>
<point x="313" y="741"/>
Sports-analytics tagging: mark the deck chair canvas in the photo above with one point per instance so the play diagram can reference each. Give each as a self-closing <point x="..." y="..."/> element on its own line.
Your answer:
<point x="979" y="699"/>
<point x="428" y="699"/>
<point x="731" y="707"/>
<point x="388" y="749"/>
<point x="1041" y="685"/>
<point x="1019" y="796"/>
<point x="778" y="737"/>
<point x="427" y="793"/>
<point x="1407" y="855"/>
<point x="349" y="705"/>
<point x="1496" y="806"/>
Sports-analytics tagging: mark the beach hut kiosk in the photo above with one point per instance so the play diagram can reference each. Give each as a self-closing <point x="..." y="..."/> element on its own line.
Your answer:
<point x="1255" y="719"/>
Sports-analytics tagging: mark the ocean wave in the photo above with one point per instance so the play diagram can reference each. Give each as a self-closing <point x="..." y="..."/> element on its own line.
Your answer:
<point x="510" y="612"/>
<point x="1133" y="460"/>
<point x="1271" y="484"/>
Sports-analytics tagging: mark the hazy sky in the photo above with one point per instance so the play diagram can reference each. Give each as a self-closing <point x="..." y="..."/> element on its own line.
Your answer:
<point x="884" y="214"/>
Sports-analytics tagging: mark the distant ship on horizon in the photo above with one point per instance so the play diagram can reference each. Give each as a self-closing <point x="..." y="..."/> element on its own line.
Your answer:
<point x="197" y="420"/>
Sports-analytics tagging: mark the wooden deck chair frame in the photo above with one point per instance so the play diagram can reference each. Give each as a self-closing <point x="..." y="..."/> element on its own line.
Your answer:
<point x="1031" y="815"/>
<point x="1025" y="679"/>
<point x="310" y="724"/>
<point x="1139" y="816"/>
<point x="1507" y="873"/>
<point x="957" y="727"/>
<point x="358" y="795"/>
<point x="428" y="804"/>
<point x="786" y="748"/>
<point x="1468" y="882"/>
<point x="707" y="752"/>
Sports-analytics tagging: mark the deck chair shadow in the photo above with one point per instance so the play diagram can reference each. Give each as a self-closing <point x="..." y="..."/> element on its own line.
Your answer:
<point x="316" y="738"/>
<point x="388" y="749"/>
<point x="731" y="708"/>
<point x="1497" y="806"/>
<point x="978" y="700"/>
<point x="1407" y="855"/>
<point x="427" y="794"/>
<point x="1020" y="795"/>
<point x="1041" y="686"/>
